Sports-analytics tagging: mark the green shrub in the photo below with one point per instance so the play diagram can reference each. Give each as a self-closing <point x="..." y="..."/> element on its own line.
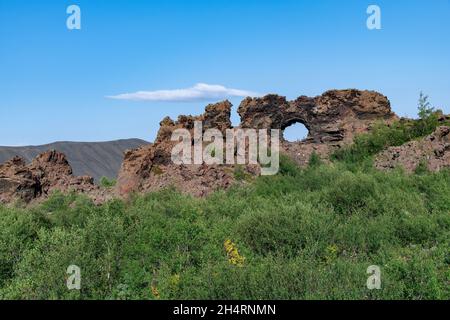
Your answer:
<point x="287" y="166"/>
<point x="314" y="160"/>
<point x="421" y="168"/>
<point x="107" y="183"/>
<point x="240" y="174"/>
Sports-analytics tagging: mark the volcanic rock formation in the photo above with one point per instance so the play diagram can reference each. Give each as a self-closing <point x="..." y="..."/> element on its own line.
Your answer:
<point x="151" y="168"/>
<point x="18" y="182"/>
<point x="95" y="159"/>
<point x="47" y="173"/>
<point x="332" y="119"/>
<point x="432" y="151"/>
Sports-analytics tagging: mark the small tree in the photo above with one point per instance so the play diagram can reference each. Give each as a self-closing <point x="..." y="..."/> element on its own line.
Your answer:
<point x="428" y="117"/>
<point x="425" y="108"/>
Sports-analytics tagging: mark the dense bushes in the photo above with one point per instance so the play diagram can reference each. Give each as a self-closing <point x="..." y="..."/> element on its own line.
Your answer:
<point x="307" y="233"/>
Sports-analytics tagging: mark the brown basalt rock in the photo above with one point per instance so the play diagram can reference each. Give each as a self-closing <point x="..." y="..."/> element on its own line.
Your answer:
<point x="334" y="117"/>
<point x="302" y="151"/>
<point x="17" y="182"/>
<point x="197" y="180"/>
<point x="216" y="116"/>
<point x="332" y="120"/>
<point x="136" y="167"/>
<point x="52" y="169"/>
<point x="150" y="168"/>
<point x="48" y="172"/>
<point x="433" y="151"/>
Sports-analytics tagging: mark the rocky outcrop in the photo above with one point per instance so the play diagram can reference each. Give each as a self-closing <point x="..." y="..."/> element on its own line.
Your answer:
<point x="54" y="172"/>
<point x="432" y="151"/>
<point x="215" y="116"/>
<point x="48" y="172"/>
<point x="151" y="168"/>
<point x="17" y="181"/>
<point x="332" y="120"/>
<point x="334" y="117"/>
<point x="95" y="159"/>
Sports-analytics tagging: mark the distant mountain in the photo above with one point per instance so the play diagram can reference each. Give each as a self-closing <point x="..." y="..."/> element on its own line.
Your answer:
<point x="96" y="159"/>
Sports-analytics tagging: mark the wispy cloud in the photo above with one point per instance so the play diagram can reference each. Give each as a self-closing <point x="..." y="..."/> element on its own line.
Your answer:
<point x="199" y="92"/>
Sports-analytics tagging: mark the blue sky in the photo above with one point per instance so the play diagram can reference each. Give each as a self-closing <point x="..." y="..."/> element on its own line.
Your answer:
<point x="54" y="81"/>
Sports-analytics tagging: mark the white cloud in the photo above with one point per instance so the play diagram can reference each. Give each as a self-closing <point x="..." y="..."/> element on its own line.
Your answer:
<point x="199" y="92"/>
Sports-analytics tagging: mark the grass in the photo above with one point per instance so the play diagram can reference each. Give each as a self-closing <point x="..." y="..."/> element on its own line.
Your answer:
<point x="303" y="234"/>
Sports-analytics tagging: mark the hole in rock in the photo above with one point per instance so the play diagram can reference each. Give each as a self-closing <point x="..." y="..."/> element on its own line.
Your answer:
<point x="295" y="132"/>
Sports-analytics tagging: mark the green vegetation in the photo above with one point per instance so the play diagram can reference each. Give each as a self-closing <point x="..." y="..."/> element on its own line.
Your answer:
<point x="303" y="234"/>
<point x="107" y="183"/>
<point x="306" y="233"/>
<point x="383" y="136"/>
<point x="424" y="107"/>
<point x="240" y="174"/>
<point x="314" y="160"/>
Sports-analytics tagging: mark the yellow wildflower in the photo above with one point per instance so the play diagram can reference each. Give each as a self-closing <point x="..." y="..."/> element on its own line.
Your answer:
<point x="155" y="291"/>
<point x="331" y="253"/>
<point x="233" y="254"/>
